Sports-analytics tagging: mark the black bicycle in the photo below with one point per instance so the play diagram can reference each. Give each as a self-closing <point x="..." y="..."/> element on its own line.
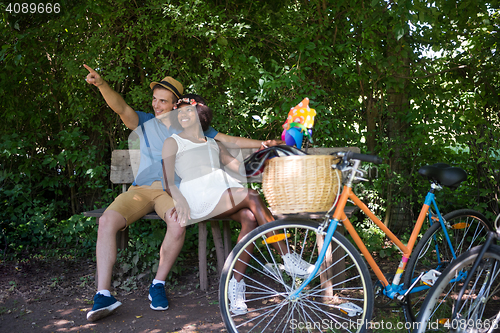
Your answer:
<point x="466" y="296"/>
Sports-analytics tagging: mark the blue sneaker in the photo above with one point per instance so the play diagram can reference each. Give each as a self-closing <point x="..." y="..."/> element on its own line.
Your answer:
<point x="158" y="297"/>
<point x="103" y="307"/>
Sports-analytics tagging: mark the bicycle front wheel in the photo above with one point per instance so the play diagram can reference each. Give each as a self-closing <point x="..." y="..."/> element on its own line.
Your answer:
<point x="466" y="229"/>
<point x="338" y="299"/>
<point x="479" y="310"/>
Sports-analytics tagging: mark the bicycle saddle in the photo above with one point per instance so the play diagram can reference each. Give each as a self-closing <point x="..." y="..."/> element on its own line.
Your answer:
<point x="254" y="164"/>
<point x="444" y="174"/>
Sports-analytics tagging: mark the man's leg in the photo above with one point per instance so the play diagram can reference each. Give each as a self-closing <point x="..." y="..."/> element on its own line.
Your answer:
<point x="125" y="209"/>
<point x="169" y="251"/>
<point x="109" y="224"/>
<point x="170" y="247"/>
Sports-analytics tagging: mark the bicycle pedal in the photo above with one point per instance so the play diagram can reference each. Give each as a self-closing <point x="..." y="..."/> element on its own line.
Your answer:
<point x="430" y="277"/>
<point x="350" y="309"/>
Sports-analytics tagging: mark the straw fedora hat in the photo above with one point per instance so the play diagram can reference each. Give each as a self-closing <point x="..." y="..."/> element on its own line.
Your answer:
<point x="171" y="84"/>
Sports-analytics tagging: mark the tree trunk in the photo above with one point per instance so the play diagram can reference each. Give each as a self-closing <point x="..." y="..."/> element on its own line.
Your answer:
<point x="398" y="212"/>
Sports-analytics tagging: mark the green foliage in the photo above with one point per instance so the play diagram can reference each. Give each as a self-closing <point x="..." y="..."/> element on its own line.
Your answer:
<point x="367" y="66"/>
<point x="39" y="233"/>
<point x="138" y="263"/>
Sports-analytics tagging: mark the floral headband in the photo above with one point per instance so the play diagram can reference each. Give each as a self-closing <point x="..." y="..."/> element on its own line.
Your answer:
<point x="186" y="100"/>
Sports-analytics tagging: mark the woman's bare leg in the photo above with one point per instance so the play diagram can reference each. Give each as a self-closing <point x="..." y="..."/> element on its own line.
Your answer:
<point x="248" y="223"/>
<point x="235" y="200"/>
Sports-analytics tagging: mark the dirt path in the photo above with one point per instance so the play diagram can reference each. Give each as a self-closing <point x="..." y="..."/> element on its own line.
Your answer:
<point x="55" y="297"/>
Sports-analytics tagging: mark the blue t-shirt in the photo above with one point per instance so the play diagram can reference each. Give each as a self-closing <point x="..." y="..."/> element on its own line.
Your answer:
<point x="152" y="133"/>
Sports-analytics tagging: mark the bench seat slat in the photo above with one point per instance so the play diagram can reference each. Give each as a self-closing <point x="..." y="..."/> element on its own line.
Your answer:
<point x="349" y="210"/>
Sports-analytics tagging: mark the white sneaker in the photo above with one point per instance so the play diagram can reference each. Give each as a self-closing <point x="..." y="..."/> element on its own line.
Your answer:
<point x="295" y="266"/>
<point x="236" y="294"/>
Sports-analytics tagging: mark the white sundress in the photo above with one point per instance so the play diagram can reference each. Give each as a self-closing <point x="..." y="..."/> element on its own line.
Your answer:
<point x="202" y="180"/>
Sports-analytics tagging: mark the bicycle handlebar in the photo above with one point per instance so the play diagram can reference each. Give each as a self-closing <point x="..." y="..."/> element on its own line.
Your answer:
<point x="362" y="157"/>
<point x="365" y="158"/>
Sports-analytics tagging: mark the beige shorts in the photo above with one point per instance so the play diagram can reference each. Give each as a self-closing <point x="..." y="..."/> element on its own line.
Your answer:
<point x="141" y="200"/>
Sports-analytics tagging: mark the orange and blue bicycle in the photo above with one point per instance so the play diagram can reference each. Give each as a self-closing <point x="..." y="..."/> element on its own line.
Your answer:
<point x="338" y="294"/>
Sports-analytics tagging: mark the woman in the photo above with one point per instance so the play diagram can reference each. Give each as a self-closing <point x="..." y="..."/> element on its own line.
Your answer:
<point x="208" y="187"/>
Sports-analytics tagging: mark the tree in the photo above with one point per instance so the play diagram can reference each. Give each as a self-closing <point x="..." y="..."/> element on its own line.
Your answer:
<point x="367" y="67"/>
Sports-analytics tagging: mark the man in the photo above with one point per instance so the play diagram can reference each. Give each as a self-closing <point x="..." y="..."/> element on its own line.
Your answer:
<point x="146" y="193"/>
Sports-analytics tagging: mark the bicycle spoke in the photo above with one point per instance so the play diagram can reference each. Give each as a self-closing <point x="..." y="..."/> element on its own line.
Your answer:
<point x="468" y="229"/>
<point x="341" y="287"/>
<point x="479" y="305"/>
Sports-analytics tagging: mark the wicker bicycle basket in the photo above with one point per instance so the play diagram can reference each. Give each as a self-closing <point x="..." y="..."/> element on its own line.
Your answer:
<point x="296" y="184"/>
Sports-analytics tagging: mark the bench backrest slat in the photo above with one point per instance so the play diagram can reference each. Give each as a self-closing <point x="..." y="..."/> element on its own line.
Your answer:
<point x="125" y="161"/>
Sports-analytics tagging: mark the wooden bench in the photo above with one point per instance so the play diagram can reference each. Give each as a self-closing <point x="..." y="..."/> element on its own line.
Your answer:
<point x="123" y="162"/>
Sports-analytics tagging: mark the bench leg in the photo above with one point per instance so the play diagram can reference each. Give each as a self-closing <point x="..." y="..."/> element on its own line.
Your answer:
<point x="122" y="239"/>
<point x="219" y="247"/>
<point x="333" y="275"/>
<point x="96" y="277"/>
<point x="325" y="277"/>
<point x="227" y="238"/>
<point x="339" y="272"/>
<point x="202" y="254"/>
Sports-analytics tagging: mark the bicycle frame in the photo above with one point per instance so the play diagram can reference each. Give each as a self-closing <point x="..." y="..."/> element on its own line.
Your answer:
<point x="391" y="290"/>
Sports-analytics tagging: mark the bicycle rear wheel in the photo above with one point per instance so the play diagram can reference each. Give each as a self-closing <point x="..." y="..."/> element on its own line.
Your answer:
<point x="341" y="300"/>
<point x="467" y="228"/>
<point x="480" y="304"/>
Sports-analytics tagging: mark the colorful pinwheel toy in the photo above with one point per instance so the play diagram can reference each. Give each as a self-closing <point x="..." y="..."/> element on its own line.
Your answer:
<point x="299" y="122"/>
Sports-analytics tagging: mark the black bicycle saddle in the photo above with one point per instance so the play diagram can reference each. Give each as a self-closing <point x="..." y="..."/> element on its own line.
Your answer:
<point x="444" y="174"/>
